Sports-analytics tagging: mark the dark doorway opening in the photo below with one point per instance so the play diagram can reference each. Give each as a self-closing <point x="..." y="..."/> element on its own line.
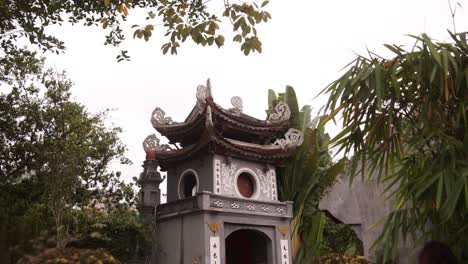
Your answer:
<point x="247" y="247"/>
<point x="188" y="186"/>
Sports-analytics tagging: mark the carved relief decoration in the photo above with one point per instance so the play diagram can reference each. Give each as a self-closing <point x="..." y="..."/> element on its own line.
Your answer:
<point x="227" y="177"/>
<point x="159" y="118"/>
<point x="214" y="227"/>
<point x="151" y="143"/>
<point x="218" y="203"/>
<point x="267" y="184"/>
<point x="292" y="138"/>
<point x="236" y="101"/>
<point x="281" y="112"/>
<point x="283" y="230"/>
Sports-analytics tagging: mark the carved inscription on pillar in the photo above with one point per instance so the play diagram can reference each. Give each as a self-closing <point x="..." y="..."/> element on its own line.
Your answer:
<point x="217" y="177"/>
<point x="284" y="251"/>
<point x="214" y="251"/>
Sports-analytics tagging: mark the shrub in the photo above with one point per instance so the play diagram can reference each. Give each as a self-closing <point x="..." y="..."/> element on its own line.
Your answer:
<point x="71" y="256"/>
<point x="335" y="258"/>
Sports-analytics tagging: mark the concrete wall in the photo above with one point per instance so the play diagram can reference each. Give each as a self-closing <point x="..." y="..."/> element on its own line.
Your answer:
<point x="185" y="239"/>
<point x="181" y="239"/>
<point x="364" y="204"/>
<point x="218" y="174"/>
<point x="226" y="172"/>
<point x="183" y="231"/>
<point x="203" y="167"/>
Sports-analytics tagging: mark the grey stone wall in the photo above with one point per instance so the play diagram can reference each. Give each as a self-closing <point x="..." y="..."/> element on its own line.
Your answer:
<point x="218" y="174"/>
<point x="183" y="231"/>
<point x="225" y="175"/>
<point x="202" y="166"/>
<point x="364" y="206"/>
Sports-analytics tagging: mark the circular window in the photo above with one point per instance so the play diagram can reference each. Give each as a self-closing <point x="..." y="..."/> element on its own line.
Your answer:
<point x="188" y="185"/>
<point x="246" y="184"/>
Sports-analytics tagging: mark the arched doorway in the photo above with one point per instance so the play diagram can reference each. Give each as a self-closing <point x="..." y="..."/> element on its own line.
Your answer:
<point x="247" y="246"/>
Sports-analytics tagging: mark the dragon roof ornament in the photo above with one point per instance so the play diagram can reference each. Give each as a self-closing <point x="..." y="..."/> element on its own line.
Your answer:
<point x="280" y="113"/>
<point x="236" y="101"/>
<point x="292" y="138"/>
<point x="203" y="92"/>
<point x="151" y="143"/>
<point x="159" y="118"/>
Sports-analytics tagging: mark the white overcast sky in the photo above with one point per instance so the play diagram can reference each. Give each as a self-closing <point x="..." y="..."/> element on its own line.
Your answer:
<point x="305" y="45"/>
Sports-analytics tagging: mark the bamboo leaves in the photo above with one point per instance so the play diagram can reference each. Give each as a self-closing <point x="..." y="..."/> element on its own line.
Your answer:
<point x="404" y="121"/>
<point x="305" y="177"/>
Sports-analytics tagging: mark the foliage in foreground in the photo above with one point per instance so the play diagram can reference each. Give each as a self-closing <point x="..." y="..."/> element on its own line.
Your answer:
<point x="340" y="238"/>
<point x="71" y="256"/>
<point x="305" y="177"/>
<point x="335" y="258"/>
<point x="54" y="155"/>
<point x="405" y="122"/>
<point x="179" y="20"/>
<point x="120" y="231"/>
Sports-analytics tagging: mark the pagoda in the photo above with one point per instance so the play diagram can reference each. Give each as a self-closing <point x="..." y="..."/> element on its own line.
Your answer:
<point x="222" y="194"/>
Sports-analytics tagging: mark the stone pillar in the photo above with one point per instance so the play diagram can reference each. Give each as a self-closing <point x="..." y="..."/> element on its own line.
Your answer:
<point x="149" y="196"/>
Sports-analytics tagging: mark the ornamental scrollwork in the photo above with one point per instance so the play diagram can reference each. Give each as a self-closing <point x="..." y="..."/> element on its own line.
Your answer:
<point x="292" y="138"/>
<point x="203" y="93"/>
<point x="159" y="118"/>
<point x="227" y="176"/>
<point x="236" y="101"/>
<point x="151" y="143"/>
<point x="266" y="182"/>
<point x="281" y="112"/>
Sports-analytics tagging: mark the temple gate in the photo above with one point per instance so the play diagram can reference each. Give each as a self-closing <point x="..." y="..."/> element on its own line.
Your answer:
<point x="222" y="196"/>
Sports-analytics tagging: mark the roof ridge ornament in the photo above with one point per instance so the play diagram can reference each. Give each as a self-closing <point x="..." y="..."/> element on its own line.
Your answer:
<point x="151" y="143"/>
<point x="236" y="101"/>
<point x="203" y="93"/>
<point x="292" y="138"/>
<point x="280" y="113"/>
<point x="159" y="118"/>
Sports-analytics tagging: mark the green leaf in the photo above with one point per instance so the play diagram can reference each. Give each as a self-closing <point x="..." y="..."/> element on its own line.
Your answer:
<point x="219" y="41"/>
<point x="440" y="187"/>
<point x="379" y="85"/>
<point x="432" y="49"/>
<point x="237" y="38"/>
<point x="165" y="48"/>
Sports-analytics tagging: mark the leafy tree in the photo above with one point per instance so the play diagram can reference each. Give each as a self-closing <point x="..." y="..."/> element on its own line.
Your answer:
<point x="305" y="177"/>
<point x="334" y="258"/>
<point x="54" y="154"/>
<point x="405" y="121"/>
<point x="340" y="238"/>
<point x="179" y="19"/>
<point x="72" y="256"/>
<point x="120" y="231"/>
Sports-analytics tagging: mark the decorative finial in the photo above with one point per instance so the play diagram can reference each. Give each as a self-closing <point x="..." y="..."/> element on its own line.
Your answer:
<point x="236" y="101"/>
<point x="208" y="85"/>
<point x="281" y="112"/>
<point x="151" y="144"/>
<point x="203" y="92"/>
<point x="292" y="138"/>
<point x="158" y="118"/>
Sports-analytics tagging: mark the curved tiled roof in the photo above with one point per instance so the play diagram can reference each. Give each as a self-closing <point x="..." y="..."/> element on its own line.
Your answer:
<point x="230" y="120"/>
